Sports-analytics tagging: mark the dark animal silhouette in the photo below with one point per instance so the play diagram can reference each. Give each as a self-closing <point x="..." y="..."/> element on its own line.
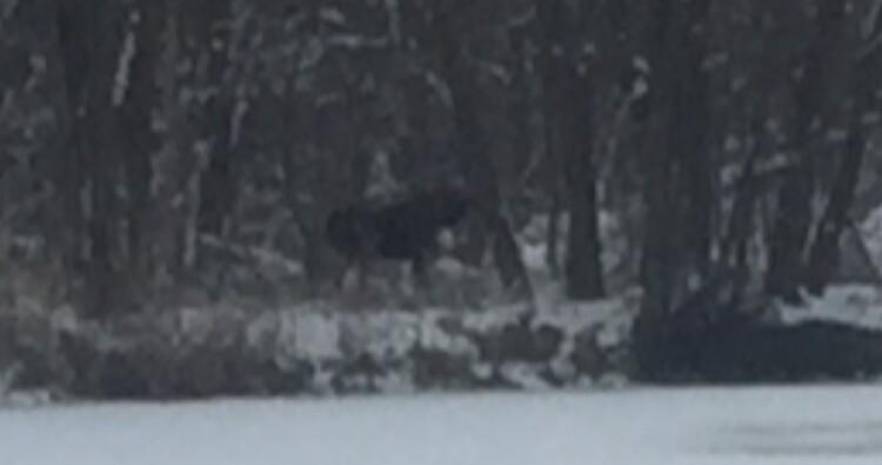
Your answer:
<point x="404" y="230"/>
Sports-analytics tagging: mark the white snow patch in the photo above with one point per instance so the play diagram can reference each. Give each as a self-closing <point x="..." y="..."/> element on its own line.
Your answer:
<point x="121" y="80"/>
<point x="432" y="336"/>
<point x="394" y="383"/>
<point x="612" y="317"/>
<point x="315" y="336"/>
<point x="332" y="15"/>
<point x="263" y="333"/>
<point x="758" y="426"/>
<point x="857" y="305"/>
<point x="524" y="376"/>
<point x="534" y="256"/>
<point x="871" y="232"/>
<point x="454" y="269"/>
<point x="495" y="318"/>
<point x="385" y="335"/>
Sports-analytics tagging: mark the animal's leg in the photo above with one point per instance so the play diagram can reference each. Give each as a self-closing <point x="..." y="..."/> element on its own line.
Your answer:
<point x="363" y="271"/>
<point x="420" y="272"/>
<point x="353" y="275"/>
<point x="345" y="280"/>
<point x="404" y="279"/>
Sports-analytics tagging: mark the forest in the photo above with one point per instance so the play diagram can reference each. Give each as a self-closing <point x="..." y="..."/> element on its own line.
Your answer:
<point x="708" y="156"/>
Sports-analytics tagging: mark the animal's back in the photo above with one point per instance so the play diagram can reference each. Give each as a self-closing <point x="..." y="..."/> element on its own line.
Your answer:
<point x="348" y="230"/>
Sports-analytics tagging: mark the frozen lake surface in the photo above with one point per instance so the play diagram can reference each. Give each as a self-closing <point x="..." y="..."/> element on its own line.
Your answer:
<point x="804" y="425"/>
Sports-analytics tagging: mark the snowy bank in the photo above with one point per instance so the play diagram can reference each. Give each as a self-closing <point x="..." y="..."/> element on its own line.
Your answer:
<point x="314" y="349"/>
<point x="317" y="349"/>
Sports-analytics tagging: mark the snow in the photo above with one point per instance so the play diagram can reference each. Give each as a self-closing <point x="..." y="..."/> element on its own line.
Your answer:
<point x="124" y="68"/>
<point x="824" y="425"/>
<point x="315" y="336"/>
<point x="856" y="305"/>
<point x="871" y="232"/>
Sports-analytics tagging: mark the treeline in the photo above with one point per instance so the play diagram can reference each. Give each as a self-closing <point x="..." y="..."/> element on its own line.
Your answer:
<point x="144" y="144"/>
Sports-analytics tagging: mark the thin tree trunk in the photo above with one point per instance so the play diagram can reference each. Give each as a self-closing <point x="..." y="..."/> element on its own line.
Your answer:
<point x="552" y="259"/>
<point x="569" y="94"/>
<point x="584" y="272"/>
<point x="208" y="22"/>
<point x="554" y="169"/>
<point x="68" y="171"/>
<point x="136" y="116"/>
<point x="93" y="54"/>
<point x="177" y="173"/>
<point x="824" y="253"/>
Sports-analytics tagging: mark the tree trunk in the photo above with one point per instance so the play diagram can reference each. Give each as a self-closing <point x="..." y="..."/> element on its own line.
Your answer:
<point x="177" y="172"/>
<point x="678" y="180"/>
<point x="569" y="91"/>
<point x="824" y="253"/>
<point x="584" y="269"/>
<point x="137" y="111"/>
<point x="94" y="55"/>
<point x="678" y="225"/>
<point x="552" y="259"/>
<point x="790" y="232"/>
<point x="474" y="149"/>
<point x="68" y="172"/>
<point x="208" y="25"/>
<point x="793" y="221"/>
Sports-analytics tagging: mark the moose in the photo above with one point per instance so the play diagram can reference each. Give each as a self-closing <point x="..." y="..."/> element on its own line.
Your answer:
<point x="405" y="230"/>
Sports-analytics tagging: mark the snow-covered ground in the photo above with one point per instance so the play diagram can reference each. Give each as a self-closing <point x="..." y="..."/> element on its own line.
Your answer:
<point x="756" y="426"/>
<point x="857" y="305"/>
